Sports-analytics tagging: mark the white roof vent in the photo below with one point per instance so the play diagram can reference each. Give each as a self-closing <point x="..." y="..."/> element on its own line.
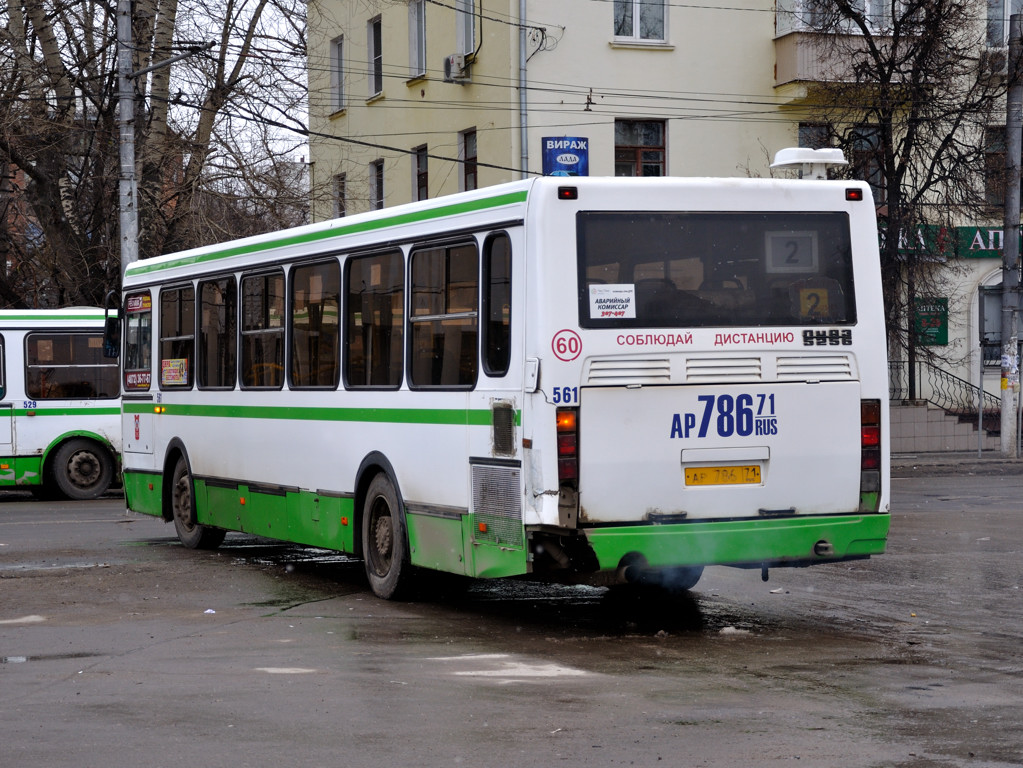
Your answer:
<point x="814" y="162"/>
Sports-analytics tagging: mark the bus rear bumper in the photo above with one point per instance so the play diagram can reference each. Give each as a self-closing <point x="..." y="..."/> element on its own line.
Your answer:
<point x="792" y="541"/>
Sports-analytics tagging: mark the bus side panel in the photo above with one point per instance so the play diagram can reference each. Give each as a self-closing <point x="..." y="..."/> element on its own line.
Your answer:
<point x="143" y="492"/>
<point x="437" y="542"/>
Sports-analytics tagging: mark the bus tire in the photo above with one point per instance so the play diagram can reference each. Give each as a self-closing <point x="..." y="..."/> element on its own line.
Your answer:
<point x="182" y="498"/>
<point x="82" y="469"/>
<point x="681" y="579"/>
<point x="385" y="541"/>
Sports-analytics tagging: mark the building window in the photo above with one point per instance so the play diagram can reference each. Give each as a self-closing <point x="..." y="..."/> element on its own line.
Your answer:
<point x="376" y="185"/>
<point x="639" y="148"/>
<point x="263" y="331"/>
<point x="994" y="165"/>
<point x="374" y="320"/>
<point x="998" y="13"/>
<point x="315" y="325"/>
<point x="640" y="20"/>
<point x="465" y="32"/>
<point x="337" y="73"/>
<point x="814" y="135"/>
<point x="865" y="159"/>
<point x="376" y="58"/>
<point x="417" y="38"/>
<point x="443" y="317"/>
<point x="340" y="195"/>
<point x="420" y="178"/>
<point x="468" y="158"/>
<point x="218" y="333"/>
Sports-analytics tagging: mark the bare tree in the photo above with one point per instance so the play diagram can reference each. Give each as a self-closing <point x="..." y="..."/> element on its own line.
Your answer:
<point x="899" y="87"/>
<point x="213" y="127"/>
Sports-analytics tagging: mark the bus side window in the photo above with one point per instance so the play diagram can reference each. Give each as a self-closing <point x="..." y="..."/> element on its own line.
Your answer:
<point x="497" y="304"/>
<point x="262" y="331"/>
<point x="177" y="337"/>
<point x="374" y="320"/>
<point x="64" y="366"/>
<point x="444" y="317"/>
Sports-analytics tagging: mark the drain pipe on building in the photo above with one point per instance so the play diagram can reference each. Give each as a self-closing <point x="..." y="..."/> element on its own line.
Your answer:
<point x="1010" y="253"/>
<point x="523" y="127"/>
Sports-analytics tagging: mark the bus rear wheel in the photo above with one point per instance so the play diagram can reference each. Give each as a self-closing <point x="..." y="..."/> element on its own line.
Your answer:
<point x="384" y="541"/>
<point x="82" y="469"/>
<point x="190" y="533"/>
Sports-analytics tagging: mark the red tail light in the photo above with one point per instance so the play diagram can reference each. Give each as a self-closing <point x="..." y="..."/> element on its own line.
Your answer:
<point x="870" y="454"/>
<point x="568" y="447"/>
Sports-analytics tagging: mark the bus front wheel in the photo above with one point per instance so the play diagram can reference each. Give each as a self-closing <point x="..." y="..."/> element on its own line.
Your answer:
<point x="190" y="533"/>
<point x="384" y="540"/>
<point x="82" y="469"/>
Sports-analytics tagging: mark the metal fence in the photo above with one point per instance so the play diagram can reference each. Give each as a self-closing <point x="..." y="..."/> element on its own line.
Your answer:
<point x="940" y="388"/>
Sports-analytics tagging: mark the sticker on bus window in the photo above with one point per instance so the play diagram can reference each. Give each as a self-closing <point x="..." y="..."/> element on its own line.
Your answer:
<point x="138" y="303"/>
<point x="174" y="372"/>
<point x="791" y="252"/>
<point x="612" y="300"/>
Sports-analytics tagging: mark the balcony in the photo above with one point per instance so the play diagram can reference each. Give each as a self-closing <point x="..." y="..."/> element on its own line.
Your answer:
<point x="805" y="56"/>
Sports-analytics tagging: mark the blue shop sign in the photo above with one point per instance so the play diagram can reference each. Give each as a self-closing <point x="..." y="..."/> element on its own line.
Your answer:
<point x="566" y="156"/>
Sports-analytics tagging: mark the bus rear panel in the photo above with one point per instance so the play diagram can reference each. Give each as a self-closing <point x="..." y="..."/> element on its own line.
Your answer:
<point x="723" y="368"/>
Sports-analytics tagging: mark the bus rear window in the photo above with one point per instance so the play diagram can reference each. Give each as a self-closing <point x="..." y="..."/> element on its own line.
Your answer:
<point x="691" y="270"/>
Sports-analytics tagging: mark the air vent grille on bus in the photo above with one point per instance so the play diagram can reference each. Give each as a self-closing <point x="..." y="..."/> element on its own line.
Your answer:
<point x="723" y="369"/>
<point x="496" y="504"/>
<point x="503" y="417"/>
<point x="629" y="370"/>
<point x="822" y="368"/>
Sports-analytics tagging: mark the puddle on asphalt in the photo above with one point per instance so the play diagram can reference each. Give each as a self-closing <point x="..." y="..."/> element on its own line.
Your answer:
<point x="46" y="657"/>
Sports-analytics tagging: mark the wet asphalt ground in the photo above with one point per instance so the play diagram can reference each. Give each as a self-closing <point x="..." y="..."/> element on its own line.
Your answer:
<point x="120" y="648"/>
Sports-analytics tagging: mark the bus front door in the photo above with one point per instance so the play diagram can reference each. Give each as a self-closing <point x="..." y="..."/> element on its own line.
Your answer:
<point x="7" y="474"/>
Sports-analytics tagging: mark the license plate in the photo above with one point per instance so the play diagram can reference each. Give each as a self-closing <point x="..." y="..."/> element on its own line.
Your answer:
<point x="747" y="474"/>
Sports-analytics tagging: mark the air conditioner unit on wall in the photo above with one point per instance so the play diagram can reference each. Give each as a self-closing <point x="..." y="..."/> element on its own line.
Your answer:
<point x="994" y="61"/>
<point x="455" y="69"/>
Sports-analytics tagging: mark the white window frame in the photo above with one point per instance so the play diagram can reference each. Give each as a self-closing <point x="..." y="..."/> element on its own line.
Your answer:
<point x="637" y="8"/>
<point x="376" y="185"/>
<point x="465" y="29"/>
<point x="463" y="159"/>
<point x="340" y="195"/>
<point x="417" y="38"/>
<point x="420" y="166"/>
<point x="375" y="58"/>
<point x="998" y="28"/>
<point x="337" y="74"/>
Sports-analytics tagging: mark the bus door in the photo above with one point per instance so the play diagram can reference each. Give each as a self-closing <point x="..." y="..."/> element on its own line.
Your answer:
<point x="6" y="423"/>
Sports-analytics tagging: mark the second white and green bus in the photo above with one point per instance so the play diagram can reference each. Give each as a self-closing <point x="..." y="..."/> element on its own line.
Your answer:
<point x="60" y="415"/>
<point x="568" y="378"/>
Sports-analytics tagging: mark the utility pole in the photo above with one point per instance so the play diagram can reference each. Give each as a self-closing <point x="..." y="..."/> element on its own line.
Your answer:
<point x="127" y="189"/>
<point x="1010" y="254"/>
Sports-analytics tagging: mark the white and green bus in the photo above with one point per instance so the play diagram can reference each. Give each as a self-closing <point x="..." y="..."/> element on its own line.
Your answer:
<point x="578" y="378"/>
<point x="60" y="414"/>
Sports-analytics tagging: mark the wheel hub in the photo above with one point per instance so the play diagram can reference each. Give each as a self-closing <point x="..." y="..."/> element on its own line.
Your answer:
<point x="83" y="469"/>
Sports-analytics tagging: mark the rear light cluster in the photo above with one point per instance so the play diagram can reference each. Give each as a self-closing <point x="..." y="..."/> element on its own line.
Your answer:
<point x="568" y="447"/>
<point x="870" y="455"/>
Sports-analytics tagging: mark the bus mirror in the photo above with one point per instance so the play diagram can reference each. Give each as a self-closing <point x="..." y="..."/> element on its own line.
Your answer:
<point x="112" y="337"/>
<point x="111" y="326"/>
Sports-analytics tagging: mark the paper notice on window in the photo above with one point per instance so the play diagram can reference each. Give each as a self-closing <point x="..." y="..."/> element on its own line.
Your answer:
<point x="617" y="300"/>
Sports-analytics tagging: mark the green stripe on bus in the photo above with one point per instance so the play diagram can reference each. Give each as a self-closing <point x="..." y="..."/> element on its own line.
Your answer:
<point x="453" y="209"/>
<point x="471" y="417"/>
<point x="46" y="411"/>
<point x="42" y="316"/>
